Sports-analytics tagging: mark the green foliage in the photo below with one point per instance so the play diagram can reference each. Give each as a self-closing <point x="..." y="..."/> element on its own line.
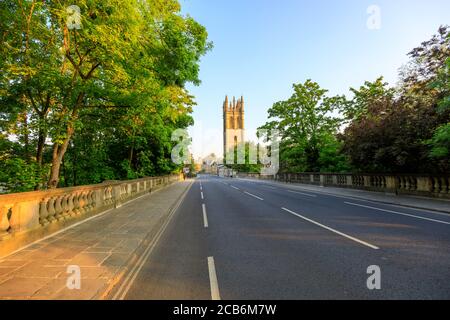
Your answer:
<point x="440" y="142"/>
<point x="385" y="129"/>
<point x="371" y="93"/>
<point x="107" y="95"/>
<point x="249" y="148"/>
<point x="331" y="159"/>
<point x="393" y="130"/>
<point x="18" y="175"/>
<point x="305" y="122"/>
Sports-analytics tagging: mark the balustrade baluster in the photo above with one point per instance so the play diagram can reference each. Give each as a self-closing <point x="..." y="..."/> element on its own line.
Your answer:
<point x="71" y="204"/>
<point x="444" y="185"/>
<point x="82" y="202"/>
<point x="51" y="209"/>
<point x="76" y="204"/>
<point x="58" y="208"/>
<point x="43" y="212"/>
<point x="65" y="205"/>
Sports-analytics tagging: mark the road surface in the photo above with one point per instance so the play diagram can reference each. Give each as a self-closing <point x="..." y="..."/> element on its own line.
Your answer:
<point x="241" y="239"/>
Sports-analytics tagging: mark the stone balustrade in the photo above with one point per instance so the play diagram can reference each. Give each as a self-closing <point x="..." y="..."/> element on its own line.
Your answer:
<point x="28" y="216"/>
<point x="423" y="185"/>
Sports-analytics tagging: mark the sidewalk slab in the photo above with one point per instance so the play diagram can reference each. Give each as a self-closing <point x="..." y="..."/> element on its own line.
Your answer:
<point x="439" y="205"/>
<point x="101" y="247"/>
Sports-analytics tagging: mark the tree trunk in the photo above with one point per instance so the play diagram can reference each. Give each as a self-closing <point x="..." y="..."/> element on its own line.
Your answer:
<point x="42" y="136"/>
<point x="58" y="153"/>
<point x="40" y="147"/>
<point x="60" y="150"/>
<point x="39" y="156"/>
<point x="64" y="172"/>
<point x="130" y="156"/>
<point x="26" y="138"/>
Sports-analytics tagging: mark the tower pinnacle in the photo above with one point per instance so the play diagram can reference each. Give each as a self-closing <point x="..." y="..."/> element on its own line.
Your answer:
<point x="225" y="103"/>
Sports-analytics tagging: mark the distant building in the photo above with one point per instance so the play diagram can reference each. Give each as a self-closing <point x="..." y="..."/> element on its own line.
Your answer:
<point x="223" y="171"/>
<point x="209" y="164"/>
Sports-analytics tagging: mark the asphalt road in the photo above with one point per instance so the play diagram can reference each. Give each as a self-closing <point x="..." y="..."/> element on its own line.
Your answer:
<point x="257" y="240"/>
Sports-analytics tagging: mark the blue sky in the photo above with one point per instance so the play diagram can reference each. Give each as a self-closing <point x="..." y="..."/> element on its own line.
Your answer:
<point x="262" y="47"/>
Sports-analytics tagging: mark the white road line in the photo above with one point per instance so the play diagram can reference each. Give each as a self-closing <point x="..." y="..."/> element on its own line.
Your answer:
<point x="369" y="201"/>
<point x="399" y="213"/>
<point x="332" y="230"/>
<point x="252" y="195"/>
<point x="235" y="187"/>
<point x="304" y="194"/>
<point x="201" y="193"/>
<point x="205" y="217"/>
<point x="406" y="207"/>
<point x="214" y="284"/>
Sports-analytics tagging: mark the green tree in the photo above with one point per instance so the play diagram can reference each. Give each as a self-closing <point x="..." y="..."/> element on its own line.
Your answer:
<point x="391" y="129"/>
<point x="304" y="122"/>
<point x="369" y="94"/>
<point x="251" y="158"/>
<point x="133" y="55"/>
<point x="440" y="142"/>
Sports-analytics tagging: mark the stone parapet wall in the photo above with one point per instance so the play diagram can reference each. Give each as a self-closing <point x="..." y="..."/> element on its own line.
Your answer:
<point x="437" y="186"/>
<point x="28" y="216"/>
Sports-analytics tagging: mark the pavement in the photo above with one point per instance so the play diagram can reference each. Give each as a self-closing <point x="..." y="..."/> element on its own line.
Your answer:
<point x="233" y="239"/>
<point x="101" y="248"/>
<point x="241" y="239"/>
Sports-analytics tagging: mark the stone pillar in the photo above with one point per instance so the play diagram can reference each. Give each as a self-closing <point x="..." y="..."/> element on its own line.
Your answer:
<point x="335" y="179"/>
<point x="98" y="199"/>
<point x="367" y="181"/>
<point x="349" y="180"/>
<point x="322" y="180"/>
<point x="116" y="195"/>
<point x="423" y="184"/>
<point x="391" y="183"/>
<point x="24" y="216"/>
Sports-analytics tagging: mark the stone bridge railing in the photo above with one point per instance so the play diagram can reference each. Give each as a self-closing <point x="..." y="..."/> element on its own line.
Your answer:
<point x="423" y="185"/>
<point x="28" y="216"/>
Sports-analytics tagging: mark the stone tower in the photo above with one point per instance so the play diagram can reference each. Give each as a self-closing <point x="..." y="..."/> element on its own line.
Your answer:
<point x="233" y="125"/>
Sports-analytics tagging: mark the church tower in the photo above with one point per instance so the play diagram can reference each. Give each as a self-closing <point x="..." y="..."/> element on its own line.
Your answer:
<point x="233" y="126"/>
